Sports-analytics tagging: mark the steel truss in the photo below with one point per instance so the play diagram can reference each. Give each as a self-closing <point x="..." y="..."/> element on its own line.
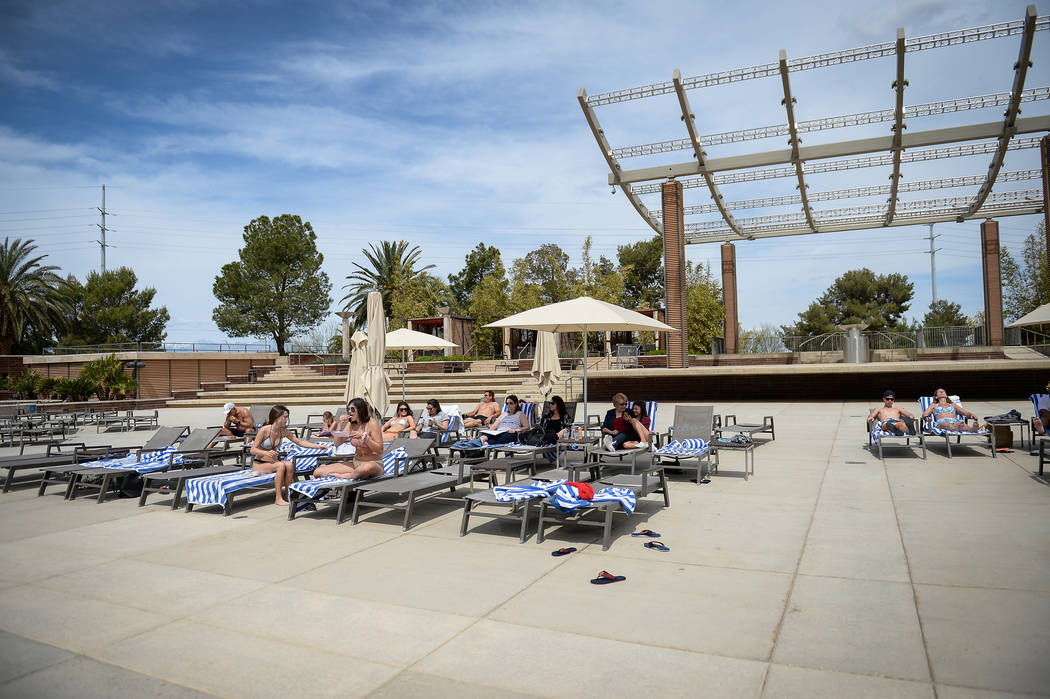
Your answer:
<point x="799" y="161"/>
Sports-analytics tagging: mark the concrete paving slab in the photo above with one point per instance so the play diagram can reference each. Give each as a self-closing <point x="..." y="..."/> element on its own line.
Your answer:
<point x="785" y="681"/>
<point x="238" y="665"/>
<point x="31" y="516"/>
<point x="164" y="589"/>
<point x="386" y="633"/>
<point x="252" y="552"/>
<point x="431" y="573"/>
<point x="855" y="479"/>
<point x="855" y="540"/>
<point x="556" y="664"/>
<point x="987" y="639"/>
<point x="945" y="691"/>
<point x="84" y="678"/>
<point x="855" y="626"/>
<point x="943" y="540"/>
<point x="710" y="610"/>
<point x="70" y="621"/>
<point x="418" y="684"/>
<point x="20" y="656"/>
<point x="26" y="560"/>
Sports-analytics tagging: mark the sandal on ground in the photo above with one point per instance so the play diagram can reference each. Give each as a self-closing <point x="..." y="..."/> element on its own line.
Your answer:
<point x="605" y="577"/>
<point x="563" y="552"/>
<point x="646" y="532"/>
<point x="658" y="545"/>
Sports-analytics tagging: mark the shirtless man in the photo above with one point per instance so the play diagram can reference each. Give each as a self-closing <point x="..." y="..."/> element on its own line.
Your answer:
<point x="487" y="411"/>
<point x="238" y="423"/>
<point x="367" y="440"/>
<point x="890" y="415"/>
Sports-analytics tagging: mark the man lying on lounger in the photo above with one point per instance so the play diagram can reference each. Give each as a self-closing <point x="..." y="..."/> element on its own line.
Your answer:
<point x="896" y="420"/>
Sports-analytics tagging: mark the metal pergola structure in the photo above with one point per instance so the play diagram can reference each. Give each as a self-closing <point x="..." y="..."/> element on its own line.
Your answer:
<point x="797" y="161"/>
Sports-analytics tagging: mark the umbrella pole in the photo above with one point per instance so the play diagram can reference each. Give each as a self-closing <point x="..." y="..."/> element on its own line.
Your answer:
<point x="585" y="418"/>
<point x="404" y="357"/>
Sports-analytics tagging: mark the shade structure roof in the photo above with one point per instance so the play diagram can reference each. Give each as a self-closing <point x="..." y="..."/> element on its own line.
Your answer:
<point x="1040" y="316"/>
<point x="403" y="338"/>
<point x="582" y="314"/>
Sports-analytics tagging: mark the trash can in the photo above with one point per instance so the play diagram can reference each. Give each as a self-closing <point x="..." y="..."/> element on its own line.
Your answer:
<point x="856" y="349"/>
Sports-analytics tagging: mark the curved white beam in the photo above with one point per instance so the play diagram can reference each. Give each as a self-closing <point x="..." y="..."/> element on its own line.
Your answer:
<point x="898" y="129"/>
<point x="793" y="141"/>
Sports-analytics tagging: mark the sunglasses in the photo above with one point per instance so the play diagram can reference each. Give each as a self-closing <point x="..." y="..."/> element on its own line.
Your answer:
<point x="889" y="398"/>
<point x="402" y="410"/>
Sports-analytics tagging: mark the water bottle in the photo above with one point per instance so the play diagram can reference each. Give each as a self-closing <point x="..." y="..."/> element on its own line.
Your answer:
<point x="670" y="433"/>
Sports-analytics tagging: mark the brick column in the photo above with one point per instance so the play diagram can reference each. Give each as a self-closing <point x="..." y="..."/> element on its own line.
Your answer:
<point x="993" y="285"/>
<point x="1044" y="151"/>
<point x="729" y="297"/>
<point x="674" y="274"/>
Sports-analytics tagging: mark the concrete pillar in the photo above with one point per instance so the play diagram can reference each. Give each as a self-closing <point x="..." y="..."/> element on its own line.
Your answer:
<point x="446" y="332"/>
<point x="506" y="343"/>
<point x="993" y="285"/>
<point x="674" y="274"/>
<point x="608" y="343"/>
<point x="345" y="315"/>
<point x="729" y="297"/>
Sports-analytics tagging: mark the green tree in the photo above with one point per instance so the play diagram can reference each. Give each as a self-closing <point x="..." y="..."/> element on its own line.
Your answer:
<point x="858" y="296"/>
<point x="488" y="302"/>
<point x="478" y="263"/>
<point x="108" y="309"/>
<point x="1026" y="287"/>
<point x="944" y="314"/>
<point x="704" y="308"/>
<point x="600" y="280"/>
<point x="641" y="265"/>
<point x="417" y="298"/>
<point x="32" y="303"/>
<point x="392" y="266"/>
<point x="765" y="338"/>
<point x="276" y="289"/>
<point x="541" y="277"/>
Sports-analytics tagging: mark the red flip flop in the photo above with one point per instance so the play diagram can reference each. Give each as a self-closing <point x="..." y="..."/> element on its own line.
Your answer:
<point x="605" y="577"/>
<point x="563" y="552"/>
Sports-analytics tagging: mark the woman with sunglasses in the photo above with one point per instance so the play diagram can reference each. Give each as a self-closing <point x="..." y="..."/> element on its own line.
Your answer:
<point x="367" y="441"/>
<point x="266" y="458"/>
<point x="401" y="421"/>
<point x="509" y="425"/>
<point x="555" y="421"/>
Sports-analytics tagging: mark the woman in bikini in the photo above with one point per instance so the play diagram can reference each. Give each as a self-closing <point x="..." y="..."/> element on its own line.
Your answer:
<point x="401" y="421"/>
<point x="949" y="416"/>
<point x="266" y="458"/>
<point x="638" y="424"/>
<point x="367" y="440"/>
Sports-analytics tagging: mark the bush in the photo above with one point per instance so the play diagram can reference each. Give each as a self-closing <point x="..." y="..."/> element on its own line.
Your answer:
<point x="443" y="358"/>
<point x="46" y="387"/>
<point x="109" y="377"/>
<point x="27" y="385"/>
<point x="79" y="389"/>
<point x="655" y="352"/>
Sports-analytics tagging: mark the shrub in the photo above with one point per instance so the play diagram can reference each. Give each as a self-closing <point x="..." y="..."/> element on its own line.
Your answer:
<point x="109" y="377"/>
<point x="27" y="385"/>
<point x="46" y="387"/>
<point x="78" y="389"/>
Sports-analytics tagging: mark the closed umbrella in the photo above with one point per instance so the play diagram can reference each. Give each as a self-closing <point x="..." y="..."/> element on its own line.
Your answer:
<point x="376" y="382"/>
<point x="1040" y="316"/>
<point x="546" y="367"/>
<point x="583" y="315"/>
<point x="355" y="376"/>
<point x="405" y="339"/>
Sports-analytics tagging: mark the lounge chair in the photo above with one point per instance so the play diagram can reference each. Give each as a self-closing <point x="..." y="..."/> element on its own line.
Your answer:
<point x="107" y="419"/>
<point x="53" y="457"/>
<point x="161" y="440"/>
<point x="518" y="499"/>
<point x="1040" y="401"/>
<point x="401" y="456"/>
<point x="260" y="414"/>
<point x="145" y="419"/>
<point x="729" y="424"/>
<point x="878" y="436"/>
<point x="691" y="440"/>
<point x="931" y="430"/>
<point x="191" y="450"/>
<point x="564" y="506"/>
<point x="220" y="489"/>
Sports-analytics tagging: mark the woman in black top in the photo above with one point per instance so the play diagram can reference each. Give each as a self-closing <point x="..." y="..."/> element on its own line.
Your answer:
<point x="555" y="422"/>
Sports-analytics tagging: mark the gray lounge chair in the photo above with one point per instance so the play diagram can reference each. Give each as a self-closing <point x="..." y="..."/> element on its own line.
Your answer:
<point x="52" y="458"/>
<point x="260" y="414"/>
<point x="690" y="422"/>
<point x="729" y="424"/>
<point x="878" y="439"/>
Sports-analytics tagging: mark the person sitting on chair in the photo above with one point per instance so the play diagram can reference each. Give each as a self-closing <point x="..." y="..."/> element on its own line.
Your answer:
<point x="892" y="417"/>
<point x="238" y="422"/>
<point x="614" y="426"/>
<point x="637" y="428"/>
<point x="367" y="441"/>
<point x="949" y="416"/>
<point x="401" y="421"/>
<point x="266" y="457"/>
<point x="435" y="418"/>
<point x="486" y="412"/>
<point x="555" y="421"/>
<point x="509" y="425"/>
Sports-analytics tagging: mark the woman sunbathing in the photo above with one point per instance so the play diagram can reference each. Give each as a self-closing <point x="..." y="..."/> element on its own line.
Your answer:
<point x="266" y="457"/>
<point x="949" y="416"/>
<point x="367" y="441"/>
<point x="401" y="421"/>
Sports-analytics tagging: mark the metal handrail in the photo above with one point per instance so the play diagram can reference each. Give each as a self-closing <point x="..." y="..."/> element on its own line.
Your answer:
<point x="161" y="347"/>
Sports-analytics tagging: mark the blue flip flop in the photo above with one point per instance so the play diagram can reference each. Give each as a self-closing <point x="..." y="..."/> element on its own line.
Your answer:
<point x="646" y="532"/>
<point x="658" y="545"/>
<point x="563" y="552"/>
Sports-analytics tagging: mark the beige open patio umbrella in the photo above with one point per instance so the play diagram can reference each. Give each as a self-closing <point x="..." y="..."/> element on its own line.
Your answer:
<point x="545" y="367"/>
<point x="355" y="375"/>
<point x="405" y="339"/>
<point x="581" y="315"/>
<point x="376" y="382"/>
<point x="1040" y="316"/>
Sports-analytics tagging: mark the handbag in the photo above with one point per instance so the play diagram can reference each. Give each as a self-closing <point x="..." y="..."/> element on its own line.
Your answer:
<point x="534" y="437"/>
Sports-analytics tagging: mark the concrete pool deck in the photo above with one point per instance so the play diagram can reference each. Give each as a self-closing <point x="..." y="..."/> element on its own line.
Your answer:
<point x="829" y="572"/>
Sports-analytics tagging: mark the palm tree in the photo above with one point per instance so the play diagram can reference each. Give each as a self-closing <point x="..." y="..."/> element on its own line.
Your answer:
<point x="30" y="294"/>
<point x="393" y="264"/>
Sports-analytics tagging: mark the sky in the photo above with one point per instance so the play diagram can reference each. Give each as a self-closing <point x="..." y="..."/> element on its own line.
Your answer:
<point x="447" y="124"/>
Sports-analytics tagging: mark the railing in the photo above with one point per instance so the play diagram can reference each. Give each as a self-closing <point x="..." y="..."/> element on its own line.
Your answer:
<point x="161" y="347"/>
<point x="1026" y="337"/>
<point x="890" y="340"/>
<point x="526" y="351"/>
<point x="952" y="336"/>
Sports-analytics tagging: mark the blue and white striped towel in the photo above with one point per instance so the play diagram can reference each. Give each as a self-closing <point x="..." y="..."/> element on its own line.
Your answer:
<point x="212" y="490"/>
<point x="148" y="462"/>
<point x="566" y="498"/>
<point x="931" y="426"/>
<point x="683" y="448"/>
<point x="516" y="493"/>
<point x="318" y="487"/>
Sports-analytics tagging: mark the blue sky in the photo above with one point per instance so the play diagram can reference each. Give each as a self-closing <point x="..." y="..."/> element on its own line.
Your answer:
<point x="449" y="124"/>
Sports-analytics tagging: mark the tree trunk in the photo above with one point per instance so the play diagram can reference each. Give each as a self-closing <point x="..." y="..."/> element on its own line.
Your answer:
<point x="5" y="344"/>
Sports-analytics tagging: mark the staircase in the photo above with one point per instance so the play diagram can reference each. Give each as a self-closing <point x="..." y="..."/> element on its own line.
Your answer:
<point x="302" y="385"/>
